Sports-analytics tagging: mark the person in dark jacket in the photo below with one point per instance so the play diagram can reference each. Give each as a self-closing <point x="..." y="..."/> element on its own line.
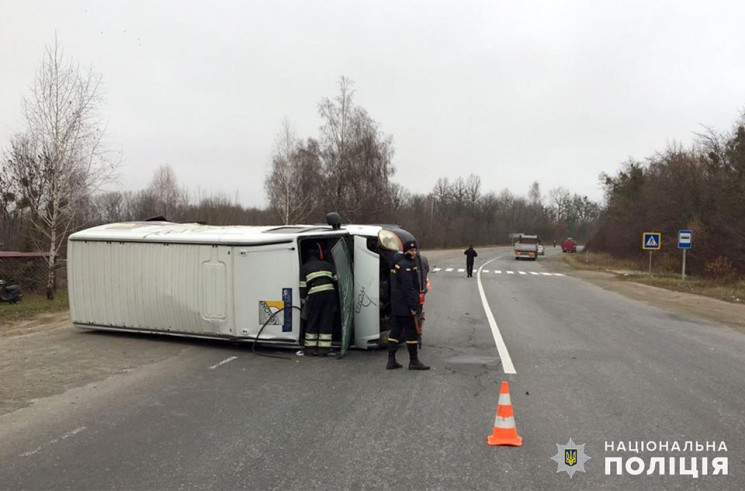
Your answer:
<point x="405" y="306"/>
<point x="470" y="254"/>
<point x="317" y="292"/>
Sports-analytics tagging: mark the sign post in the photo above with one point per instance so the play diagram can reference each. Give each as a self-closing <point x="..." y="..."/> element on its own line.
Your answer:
<point x="651" y="242"/>
<point x="685" y="242"/>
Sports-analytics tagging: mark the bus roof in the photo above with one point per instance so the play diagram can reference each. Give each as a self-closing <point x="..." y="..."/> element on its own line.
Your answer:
<point x="195" y="233"/>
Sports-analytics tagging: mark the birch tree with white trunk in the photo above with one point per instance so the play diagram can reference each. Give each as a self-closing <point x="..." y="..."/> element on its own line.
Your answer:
<point x="59" y="161"/>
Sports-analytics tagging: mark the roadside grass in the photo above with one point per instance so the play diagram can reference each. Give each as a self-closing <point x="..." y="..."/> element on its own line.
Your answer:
<point x="599" y="262"/>
<point x="32" y="305"/>
<point x="638" y="271"/>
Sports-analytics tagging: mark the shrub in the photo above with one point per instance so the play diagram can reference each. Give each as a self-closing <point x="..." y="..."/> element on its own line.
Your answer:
<point x="721" y="269"/>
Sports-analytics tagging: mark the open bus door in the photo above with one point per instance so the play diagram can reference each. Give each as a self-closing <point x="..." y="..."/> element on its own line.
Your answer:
<point x="366" y="294"/>
<point x="343" y="263"/>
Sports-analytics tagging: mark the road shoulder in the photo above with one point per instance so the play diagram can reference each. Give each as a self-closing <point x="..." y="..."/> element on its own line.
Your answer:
<point x="711" y="309"/>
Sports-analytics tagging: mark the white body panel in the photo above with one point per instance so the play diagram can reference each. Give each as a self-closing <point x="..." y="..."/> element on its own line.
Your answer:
<point x="264" y="277"/>
<point x="204" y="281"/>
<point x="160" y="287"/>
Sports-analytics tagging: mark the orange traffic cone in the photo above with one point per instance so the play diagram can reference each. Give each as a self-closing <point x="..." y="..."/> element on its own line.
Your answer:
<point x="505" y="432"/>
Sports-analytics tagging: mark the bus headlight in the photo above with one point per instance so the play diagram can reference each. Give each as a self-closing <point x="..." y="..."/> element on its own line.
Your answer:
<point x="389" y="241"/>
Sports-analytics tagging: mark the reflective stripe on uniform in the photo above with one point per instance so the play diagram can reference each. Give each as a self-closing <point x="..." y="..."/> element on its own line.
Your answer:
<point x="319" y="274"/>
<point x="311" y="339"/>
<point x="321" y="288"/>
<point x="324" y="340"/>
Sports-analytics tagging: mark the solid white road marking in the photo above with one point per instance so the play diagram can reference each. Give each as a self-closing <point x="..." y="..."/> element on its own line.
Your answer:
<point x="226" y="360"/>
<point x="534" y="273"/>
<point x="504" y="355"/>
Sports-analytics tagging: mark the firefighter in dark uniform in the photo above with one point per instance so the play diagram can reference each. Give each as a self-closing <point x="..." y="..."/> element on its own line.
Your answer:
<point x="317" y="292"/>
<point x="404" y="307"/>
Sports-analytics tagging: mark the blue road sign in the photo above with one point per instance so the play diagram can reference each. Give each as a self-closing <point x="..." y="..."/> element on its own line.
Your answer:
<point x="685" y="239"/>
<point x="651" y="241"/>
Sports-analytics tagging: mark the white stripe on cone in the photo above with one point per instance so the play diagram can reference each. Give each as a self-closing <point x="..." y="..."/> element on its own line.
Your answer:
<point x="504" y="422"/>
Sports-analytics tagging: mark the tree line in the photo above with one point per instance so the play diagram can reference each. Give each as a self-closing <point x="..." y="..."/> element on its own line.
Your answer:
<point x="701" y="188"/>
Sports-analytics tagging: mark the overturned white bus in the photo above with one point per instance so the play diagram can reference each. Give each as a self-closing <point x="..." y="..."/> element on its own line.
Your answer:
<point x="233" y="282"/>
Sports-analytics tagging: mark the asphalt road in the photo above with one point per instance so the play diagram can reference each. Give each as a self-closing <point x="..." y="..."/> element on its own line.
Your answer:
<point x="149" y="412"/>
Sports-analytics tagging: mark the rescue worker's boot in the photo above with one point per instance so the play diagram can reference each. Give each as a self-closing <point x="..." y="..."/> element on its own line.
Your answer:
<point x="392" y="363"/>
<point x="414" y="363"/>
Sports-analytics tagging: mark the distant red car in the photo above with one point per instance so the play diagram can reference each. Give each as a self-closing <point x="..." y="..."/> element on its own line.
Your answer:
<point x="569" y="245"/>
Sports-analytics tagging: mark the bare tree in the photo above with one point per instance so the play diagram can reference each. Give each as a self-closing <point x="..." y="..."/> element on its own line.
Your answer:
<point x="293" y="167"/>
<point x="560" y="199"/>
<point x="166" y="196"/>
<point x="356" y="158"/>
<point x="59" y="161"/>
<point x="473" y="190"/>
<point x="534" y="194"/>
<point x="336" y="131"/>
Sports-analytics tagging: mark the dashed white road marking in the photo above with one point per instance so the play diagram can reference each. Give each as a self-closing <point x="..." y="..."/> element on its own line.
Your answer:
<point x="499" y="271"/>
<point x="54" y="441"/>
<point x="226" y="360"/>
<point x="504" y="355"/>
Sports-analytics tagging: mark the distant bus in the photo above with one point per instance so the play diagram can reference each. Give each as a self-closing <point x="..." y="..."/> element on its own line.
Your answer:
<point x="526" y="246"/>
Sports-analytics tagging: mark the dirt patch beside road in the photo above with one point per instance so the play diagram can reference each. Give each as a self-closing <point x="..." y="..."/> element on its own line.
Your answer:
<point x="707" y="308"/>
<point x="47" y="356"/>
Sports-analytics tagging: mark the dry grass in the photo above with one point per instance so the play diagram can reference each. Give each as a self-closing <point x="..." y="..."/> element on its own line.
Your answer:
<point x="31" y="305"/>
<point x="638" y="271"/>
<point x="599" y="262"/>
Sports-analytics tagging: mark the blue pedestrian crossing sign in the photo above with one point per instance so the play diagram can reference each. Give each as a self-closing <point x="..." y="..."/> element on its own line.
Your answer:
<point x="651" y="241"/>
<point x="685" y="239"/>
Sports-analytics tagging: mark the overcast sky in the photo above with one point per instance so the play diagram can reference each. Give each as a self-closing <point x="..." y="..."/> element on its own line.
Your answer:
<point x="514" y="92"/>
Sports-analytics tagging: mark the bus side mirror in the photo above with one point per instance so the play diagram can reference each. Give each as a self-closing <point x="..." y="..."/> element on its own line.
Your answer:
<point x="334" y="220"/>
